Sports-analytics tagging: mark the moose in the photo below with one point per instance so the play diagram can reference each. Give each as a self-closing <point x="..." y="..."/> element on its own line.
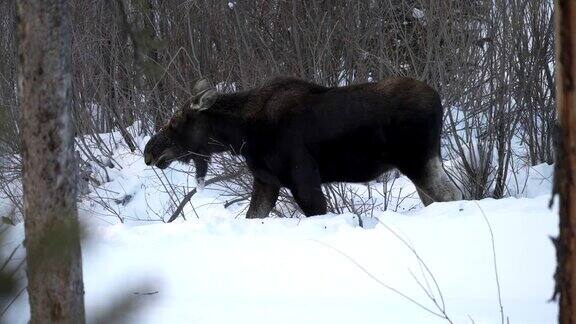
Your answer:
<point x="299" y="135"/>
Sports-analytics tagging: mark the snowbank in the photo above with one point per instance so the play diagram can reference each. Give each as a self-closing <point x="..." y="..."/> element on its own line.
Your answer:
<point x="220" y="269"/>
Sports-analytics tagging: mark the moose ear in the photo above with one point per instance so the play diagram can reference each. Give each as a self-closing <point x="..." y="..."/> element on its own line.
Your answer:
<point x="203" y="95"/>
<point x="201" y="85"/>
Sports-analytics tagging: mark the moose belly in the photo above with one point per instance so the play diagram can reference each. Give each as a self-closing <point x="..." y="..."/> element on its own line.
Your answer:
<point x="350" y="170"/>
<point x="350" y="164"/>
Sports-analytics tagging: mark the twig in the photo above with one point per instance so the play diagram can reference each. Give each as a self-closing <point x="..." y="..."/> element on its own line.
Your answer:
<point x="495" y="263"/>
<point x="383" y="284"/>
<point x="193" y="192"/>
<point x="12" y="301"/>
<point x="413" y="250"/>
<point x="236" y="200"/>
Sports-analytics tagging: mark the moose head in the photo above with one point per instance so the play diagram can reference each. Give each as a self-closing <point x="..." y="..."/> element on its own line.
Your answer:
<point x="187" y="135"/>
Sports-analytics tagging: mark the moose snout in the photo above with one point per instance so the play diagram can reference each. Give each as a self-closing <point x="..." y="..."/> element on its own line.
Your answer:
<point x="148" y="159"/>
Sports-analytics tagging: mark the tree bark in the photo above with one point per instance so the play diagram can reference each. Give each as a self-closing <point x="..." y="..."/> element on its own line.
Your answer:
<point x="54" y="268"/>
<point x="156" y="71"/>
<point x="566" y="178"/>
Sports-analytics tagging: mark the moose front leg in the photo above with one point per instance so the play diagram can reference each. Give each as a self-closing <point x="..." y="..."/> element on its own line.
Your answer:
<point x="201" y="165"/>
<point x="263" y="199"/>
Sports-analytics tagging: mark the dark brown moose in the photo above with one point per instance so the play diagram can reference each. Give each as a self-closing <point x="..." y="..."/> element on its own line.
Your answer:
<point x="299" y="135"/>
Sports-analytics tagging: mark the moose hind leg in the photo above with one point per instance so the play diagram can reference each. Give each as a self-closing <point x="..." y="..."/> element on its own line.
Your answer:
<point x="264" y="197"/>
<point x="306" y="186"/>
<point x="424" y="197"/>
<point x="310" y="199"/>
<point x="433" y="184"/>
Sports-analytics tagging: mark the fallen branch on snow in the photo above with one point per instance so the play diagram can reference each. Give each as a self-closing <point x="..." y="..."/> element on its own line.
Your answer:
<point x="192" y="192"/>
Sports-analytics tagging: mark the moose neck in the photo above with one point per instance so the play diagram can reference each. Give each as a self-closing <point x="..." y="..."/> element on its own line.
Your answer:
<point x="227" y="121"/>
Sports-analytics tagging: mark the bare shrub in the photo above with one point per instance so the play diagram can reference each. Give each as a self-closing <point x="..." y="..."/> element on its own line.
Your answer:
<point x="134" y="61"/>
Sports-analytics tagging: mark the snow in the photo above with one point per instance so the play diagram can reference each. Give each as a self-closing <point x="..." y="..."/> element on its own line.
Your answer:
<point x="417" y="13"/>
<point x="222" y="268"/>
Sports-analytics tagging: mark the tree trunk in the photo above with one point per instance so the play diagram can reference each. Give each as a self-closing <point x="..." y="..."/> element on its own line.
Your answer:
<point x="156" y="71"/>
<point x="54" y="269"/>
<point x="566" y="178"/>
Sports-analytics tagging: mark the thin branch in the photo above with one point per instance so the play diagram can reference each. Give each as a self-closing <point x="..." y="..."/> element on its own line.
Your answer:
<point x="190" y="194"/>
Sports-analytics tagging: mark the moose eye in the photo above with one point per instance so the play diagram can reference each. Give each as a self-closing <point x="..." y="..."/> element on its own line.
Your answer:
<point x="176" y="122"/>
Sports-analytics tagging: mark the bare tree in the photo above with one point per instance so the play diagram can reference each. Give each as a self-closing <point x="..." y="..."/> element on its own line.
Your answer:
<point x="565" y="177"/>
<point x="54" y="267"/>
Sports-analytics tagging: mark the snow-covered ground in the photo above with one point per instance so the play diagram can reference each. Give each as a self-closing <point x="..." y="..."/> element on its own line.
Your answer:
<point x="408" y="266"/>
